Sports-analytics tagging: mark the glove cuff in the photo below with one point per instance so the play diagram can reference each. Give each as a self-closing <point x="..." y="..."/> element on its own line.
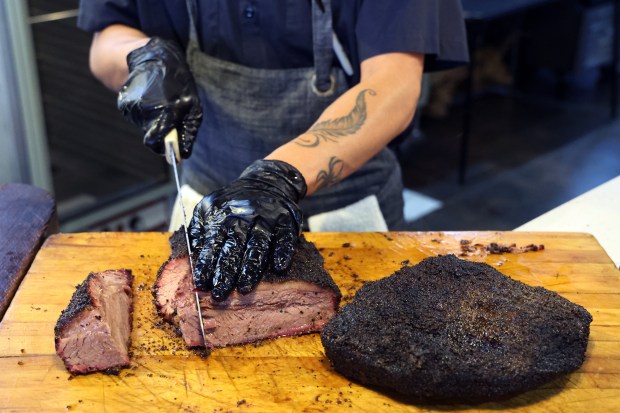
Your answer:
<point x="279" y="174"/>
<point x="157" y="49"/>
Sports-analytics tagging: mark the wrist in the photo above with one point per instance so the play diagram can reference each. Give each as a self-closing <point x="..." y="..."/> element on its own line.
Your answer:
<point x="278" y="174"/>
<point x="155" y="49"/>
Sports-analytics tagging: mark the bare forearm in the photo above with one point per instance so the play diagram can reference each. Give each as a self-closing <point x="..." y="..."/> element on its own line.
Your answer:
<point x="358" y="124"/>
<point x="108" y="54"/>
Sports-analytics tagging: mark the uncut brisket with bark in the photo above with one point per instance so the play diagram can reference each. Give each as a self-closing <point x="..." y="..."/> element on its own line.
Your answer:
<point x="93" y="332"/>
<point x="450" y="330"/>
<point x="297" y="302"/>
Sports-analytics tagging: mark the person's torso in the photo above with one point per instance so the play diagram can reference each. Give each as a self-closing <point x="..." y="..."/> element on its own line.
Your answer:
<point x="248" y="112"/>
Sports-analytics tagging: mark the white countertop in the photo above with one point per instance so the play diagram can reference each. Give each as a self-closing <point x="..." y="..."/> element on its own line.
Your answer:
<point x="596" y="212"/>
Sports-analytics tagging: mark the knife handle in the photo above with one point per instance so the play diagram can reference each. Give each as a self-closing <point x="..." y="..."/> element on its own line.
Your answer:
<point x="171" y="141"/>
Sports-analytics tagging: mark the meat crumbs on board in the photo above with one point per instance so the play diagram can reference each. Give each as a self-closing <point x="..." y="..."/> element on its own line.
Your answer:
<point x="467" y="248"/>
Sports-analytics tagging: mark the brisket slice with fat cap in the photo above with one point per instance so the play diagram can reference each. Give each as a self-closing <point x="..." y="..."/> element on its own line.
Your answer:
<point x="448" y="330"/>
<point x="93" y="332"/>
<point x="297" y="302"/>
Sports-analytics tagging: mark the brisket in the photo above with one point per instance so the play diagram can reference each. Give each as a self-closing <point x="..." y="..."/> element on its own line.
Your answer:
<point x="297" y="302"/>
<point x="93" y="332"/>
<point x="449" y="330"/>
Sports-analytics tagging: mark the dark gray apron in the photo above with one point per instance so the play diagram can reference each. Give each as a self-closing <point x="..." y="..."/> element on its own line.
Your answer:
<point x="249" y="112"/>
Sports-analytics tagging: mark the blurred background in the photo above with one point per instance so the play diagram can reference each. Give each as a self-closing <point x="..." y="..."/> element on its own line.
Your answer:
<point x="530" y="124"/>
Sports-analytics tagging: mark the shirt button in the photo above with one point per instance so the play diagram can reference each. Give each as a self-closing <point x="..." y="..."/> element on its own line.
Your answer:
<point x="249" y="12"/>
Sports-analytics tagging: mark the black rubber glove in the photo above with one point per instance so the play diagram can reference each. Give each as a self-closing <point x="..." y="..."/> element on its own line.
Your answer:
<point x="237" y="231"/>
<point x="160" y="95"/>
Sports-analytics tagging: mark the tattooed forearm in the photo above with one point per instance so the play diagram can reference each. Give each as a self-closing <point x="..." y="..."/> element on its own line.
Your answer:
<point x="332" y="175"/>
<point x="332" y="129"/>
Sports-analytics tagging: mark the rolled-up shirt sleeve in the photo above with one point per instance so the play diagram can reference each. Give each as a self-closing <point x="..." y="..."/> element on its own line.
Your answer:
<point x="435" y="28"/>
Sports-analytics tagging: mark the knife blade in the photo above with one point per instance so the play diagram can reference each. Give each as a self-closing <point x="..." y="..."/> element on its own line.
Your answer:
<point x="173" y="156"/>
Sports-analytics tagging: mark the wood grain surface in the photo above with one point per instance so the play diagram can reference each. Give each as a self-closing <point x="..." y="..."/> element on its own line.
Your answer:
<point x="288" y="374"/>
<point x="27" y="215"/>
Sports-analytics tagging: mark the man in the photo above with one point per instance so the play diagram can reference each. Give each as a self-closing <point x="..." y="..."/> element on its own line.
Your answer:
<point x="286" y="108"/>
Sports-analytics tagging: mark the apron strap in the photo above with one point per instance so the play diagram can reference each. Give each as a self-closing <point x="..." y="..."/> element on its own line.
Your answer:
<point x="192" y="10"/>
<point x="323" y="83"/>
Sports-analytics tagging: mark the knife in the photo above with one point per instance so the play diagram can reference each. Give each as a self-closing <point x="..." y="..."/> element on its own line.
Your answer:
<point x="173" y="156"/>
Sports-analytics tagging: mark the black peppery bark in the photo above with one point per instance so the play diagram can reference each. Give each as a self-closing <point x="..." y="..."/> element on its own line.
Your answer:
<point x="80" y="301"/>
<point x="307" y="264"/>
<point x="448" y="330"/>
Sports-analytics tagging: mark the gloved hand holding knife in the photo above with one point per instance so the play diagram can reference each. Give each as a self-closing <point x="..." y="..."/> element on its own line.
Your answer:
<point x="160" y="95"/>
<point x="240" y="230"/>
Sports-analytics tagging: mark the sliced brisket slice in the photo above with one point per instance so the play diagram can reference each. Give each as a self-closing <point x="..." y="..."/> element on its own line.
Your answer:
<point x="93" y="332"/>
<point x="300" y="301"/>
<point x="448" y="330"/>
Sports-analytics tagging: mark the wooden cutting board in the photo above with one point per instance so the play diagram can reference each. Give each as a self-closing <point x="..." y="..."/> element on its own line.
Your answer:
<point x="288" y="374"/>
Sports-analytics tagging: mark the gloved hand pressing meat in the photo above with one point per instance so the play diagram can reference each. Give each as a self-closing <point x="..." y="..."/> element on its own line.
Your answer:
<point x="160" y="95"/>
<point x="237" y="231"/>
